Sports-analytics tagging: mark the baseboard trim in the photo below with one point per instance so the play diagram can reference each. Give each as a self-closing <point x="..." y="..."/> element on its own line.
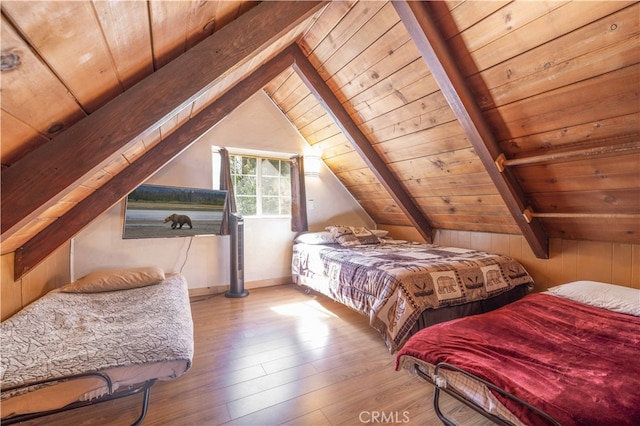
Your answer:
<point x="199" y="292"/>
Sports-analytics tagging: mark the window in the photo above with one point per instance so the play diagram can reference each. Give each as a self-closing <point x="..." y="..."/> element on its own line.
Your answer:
<point x="262" y="185"/>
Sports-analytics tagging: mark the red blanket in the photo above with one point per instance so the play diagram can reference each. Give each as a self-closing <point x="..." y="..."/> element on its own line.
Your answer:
<point x="578" y="363"/>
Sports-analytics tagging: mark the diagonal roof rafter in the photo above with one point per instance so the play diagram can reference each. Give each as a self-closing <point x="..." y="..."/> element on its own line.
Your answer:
<point x="52" y="237"/>
<point x="431" y="45"/>
<point x="361" y="144"/>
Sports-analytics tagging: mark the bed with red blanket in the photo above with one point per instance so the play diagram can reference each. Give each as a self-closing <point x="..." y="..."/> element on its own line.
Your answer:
<point x="572" y="352"/>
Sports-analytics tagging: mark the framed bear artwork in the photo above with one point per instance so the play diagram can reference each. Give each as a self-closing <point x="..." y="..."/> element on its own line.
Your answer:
<point x="154" y="211"/>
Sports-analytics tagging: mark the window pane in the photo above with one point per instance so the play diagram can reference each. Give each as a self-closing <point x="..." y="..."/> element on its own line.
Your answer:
<point x="270" y="186"/>
<point x="236" y="165"/>
<point x="244" y="185"/>
<point x="270" y="167"/>
<point x="270" y="206"/>
<point x="246" y="205"/>
<point x="285" y="187"/>
<point x="285" y="169"/>
<point x="285" y="205"/>
<point x="249" y="165"/>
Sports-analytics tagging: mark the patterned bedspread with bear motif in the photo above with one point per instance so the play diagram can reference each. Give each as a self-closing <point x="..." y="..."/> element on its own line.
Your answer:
<point x="394" y="283"/>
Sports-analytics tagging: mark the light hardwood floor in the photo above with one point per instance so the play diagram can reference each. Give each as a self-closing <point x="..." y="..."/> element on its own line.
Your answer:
<point x="279" y="357"/>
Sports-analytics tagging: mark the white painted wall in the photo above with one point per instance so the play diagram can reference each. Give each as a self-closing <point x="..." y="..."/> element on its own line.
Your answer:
<point x="257" y="124"/>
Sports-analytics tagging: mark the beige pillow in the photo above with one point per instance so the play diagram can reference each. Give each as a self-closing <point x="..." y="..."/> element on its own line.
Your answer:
<point x="115" y="279"/>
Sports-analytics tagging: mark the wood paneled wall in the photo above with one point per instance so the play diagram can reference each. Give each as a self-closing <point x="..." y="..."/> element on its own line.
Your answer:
<point x="569" y="260"/>
<point x="52" y="273"/>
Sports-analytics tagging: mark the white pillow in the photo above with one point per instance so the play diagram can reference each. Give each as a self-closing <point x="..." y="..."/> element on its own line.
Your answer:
<point x="323" y="237"/>
<point x="616" y="298"/>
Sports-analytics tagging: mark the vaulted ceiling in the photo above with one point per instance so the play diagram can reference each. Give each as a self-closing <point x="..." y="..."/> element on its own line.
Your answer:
<point x="510" y="117"/>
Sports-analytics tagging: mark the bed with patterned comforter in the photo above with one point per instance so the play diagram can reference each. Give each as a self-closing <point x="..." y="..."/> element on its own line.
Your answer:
<point x="131" y="336"/>
<point x="397" y="283"/>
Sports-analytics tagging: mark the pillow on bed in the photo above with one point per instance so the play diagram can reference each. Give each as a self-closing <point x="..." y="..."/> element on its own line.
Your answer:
<point x="380" y="233"/>
<point x="323" y="237"/>
<point x="608" y="296"/>
<point x="348" y="236"/>
<point x="115" y="279"/>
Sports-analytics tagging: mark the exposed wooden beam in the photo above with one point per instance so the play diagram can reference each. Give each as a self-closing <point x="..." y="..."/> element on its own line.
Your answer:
<point x="43" y="177"/>
<point x="434" y="50"/>
<point x="361" y="144"/>
<point x="568" y="154"/>
<point x="40" y="246"/>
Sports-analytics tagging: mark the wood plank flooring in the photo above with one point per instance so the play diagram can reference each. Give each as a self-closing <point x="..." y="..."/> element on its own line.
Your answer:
<point x="279" y="357"/>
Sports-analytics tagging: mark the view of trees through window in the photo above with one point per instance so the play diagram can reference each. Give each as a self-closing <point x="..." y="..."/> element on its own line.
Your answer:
<point x="262" y="185"/>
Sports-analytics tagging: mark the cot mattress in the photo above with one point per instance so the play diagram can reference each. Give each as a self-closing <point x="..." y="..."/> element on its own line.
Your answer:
<point x="131" y="336"/>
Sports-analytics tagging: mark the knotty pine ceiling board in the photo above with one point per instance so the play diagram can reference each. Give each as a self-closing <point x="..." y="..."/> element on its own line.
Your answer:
<point x="361" y="176"/>
<point x="348" y="80"/>
<point x="598" y="48"/>
<point x="403" y="85"/>
<point x="448" y="185"/>
<point x="617" y="200"/>
<point x="421" y="114"/>
<point x="335" y="145"/>
<point x="26" y="233"/>
<point x="125" y="25"/>
<point x="457" y="16"/>
<point x="522" y="26"/>
<point x="176" y="26"/>
<point x="434" y="140"/>
<point x="25" y="89"/>
<point x="625" y="230"/>
<point x="613" y="172"/>
<point x="368" y="34"/>
<point x="72" y="44"/>
<point x="336" y="45"/>
<point x="588" y="101"/>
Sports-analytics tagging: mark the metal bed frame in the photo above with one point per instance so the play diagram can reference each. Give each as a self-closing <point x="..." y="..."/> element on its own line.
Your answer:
<point x="440" y="383"/>
<point x="109" y="396"/>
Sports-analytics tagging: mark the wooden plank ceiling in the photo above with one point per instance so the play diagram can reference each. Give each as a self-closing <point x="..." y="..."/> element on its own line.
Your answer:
<point x="511" y="117"/>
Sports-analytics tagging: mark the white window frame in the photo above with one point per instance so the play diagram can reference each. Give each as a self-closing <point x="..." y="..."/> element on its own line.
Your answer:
<point x="253" y="154"/>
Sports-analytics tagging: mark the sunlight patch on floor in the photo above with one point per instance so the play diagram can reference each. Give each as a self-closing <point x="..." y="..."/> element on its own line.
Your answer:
<point x="310" y="327"/>
<point x="304" y="310"/>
